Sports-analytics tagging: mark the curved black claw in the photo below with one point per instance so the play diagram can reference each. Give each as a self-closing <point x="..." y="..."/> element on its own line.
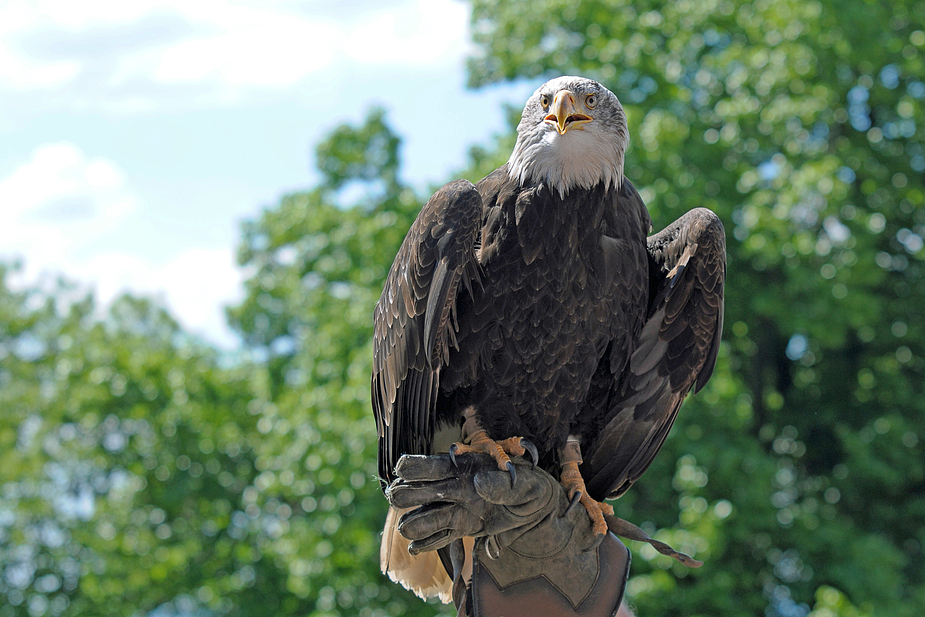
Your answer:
<point x="452" y="453"/>
<point x="510" y="468"/>
<point x="529" y="447"/>
<point x="576" y="497"/>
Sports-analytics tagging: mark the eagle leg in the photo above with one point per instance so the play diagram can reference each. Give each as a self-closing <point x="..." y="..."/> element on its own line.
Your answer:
<point x="501" y="451"/>
<point x="574" y="485"/>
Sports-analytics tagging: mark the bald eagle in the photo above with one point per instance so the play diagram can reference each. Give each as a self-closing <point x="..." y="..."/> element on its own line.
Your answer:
<point x="530" y="312"/>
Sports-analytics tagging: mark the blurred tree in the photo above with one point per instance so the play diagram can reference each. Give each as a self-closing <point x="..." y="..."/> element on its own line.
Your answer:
<point x="317" y="262"/>
<point x="123" y="460"/>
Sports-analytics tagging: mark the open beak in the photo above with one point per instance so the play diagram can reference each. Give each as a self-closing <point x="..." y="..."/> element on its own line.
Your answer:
<point x="562" y="113"/>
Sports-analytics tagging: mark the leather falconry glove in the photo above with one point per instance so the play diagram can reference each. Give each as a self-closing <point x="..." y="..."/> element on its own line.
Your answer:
<point x="534" y="553"/>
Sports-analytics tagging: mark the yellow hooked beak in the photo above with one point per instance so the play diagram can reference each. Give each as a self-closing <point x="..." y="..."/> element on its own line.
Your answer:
<point x="562" y="113"/>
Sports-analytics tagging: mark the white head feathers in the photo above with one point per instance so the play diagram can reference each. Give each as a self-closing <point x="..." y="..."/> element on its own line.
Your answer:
<point x="582" y="150"/>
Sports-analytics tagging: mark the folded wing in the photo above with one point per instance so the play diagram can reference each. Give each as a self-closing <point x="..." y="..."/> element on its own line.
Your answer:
<point x="675" y="351"/>
<point x="414" y="320"/>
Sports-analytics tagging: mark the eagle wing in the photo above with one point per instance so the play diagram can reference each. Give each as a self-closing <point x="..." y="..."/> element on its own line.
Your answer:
<point x="415" y="321"/>
<point x="674" y="352"/>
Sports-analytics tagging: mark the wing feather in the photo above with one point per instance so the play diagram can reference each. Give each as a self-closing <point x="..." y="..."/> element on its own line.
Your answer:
<point x="675" y="351"/>
<point x="414" y="320"/>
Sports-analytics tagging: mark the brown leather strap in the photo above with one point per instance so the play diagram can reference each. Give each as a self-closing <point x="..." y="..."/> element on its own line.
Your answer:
<point x="541" y="595"/>
<point x="626" y="529"/>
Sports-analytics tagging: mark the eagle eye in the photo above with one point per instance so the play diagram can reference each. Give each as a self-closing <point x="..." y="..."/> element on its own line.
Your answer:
<point x="590" y="101"/>
<point x="544" y="101"/>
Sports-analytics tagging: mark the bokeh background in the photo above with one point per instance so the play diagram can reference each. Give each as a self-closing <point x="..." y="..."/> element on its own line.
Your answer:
<point x="156" y="459"/>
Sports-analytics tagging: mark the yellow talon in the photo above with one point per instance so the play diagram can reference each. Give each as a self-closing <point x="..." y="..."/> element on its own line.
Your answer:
<point x="572" y="482"/>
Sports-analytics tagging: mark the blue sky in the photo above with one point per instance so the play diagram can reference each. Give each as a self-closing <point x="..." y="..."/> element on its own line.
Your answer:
<point x="135" y="136"/>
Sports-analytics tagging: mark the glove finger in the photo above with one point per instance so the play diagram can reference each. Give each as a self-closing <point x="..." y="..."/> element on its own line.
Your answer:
<point x="419" y="468"/>
<point x="403" y="495"/>
<point x="531" y="485"/>
<point x="429" y="520"/>
<point x="432" y="543"/>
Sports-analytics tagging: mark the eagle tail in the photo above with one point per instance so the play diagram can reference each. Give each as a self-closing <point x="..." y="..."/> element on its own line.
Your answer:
<point x="422" y="574"/>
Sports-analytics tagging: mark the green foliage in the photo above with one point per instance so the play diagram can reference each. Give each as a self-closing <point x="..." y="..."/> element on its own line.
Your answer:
<point x="123" y="461"/>
<point x="140" y="471"/>
<point x="368" y="153"/>
<point x="317" y="271"/>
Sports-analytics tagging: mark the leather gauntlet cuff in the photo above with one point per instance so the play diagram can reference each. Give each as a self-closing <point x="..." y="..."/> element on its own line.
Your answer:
<point x="573" y="581"/>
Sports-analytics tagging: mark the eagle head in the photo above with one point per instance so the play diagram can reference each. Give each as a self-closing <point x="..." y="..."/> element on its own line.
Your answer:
<point x="572" y="134"/>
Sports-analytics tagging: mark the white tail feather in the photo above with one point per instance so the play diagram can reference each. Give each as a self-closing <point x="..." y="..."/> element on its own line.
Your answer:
<point x="423" y="574"/>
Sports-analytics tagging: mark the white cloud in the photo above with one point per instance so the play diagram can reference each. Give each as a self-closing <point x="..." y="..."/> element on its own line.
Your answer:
<point x="424" y="32"/>
<point x="60" y="204"/>
<point x="195" y="286"/>
<point x="100" y="173"/>
<point x="253" y="47"/>
<point x="57" y="198"/>
<point x="57" y="201"/>
<point x="118" y="54"/>
<point x="19" y="74"/>
<point x="75" y="14"/>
